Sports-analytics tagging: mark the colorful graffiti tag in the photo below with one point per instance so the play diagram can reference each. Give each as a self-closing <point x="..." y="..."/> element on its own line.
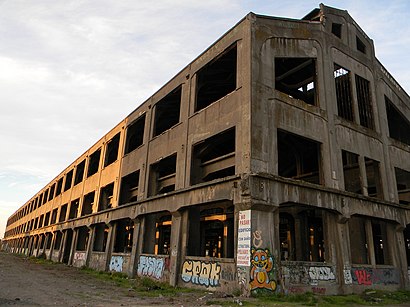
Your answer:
<point x="201" y="273"/>
<point x="151" y="266"/>
<point x="370" y="276"/>
<point x="262" y="269"/>
<point x="116" y="263"/>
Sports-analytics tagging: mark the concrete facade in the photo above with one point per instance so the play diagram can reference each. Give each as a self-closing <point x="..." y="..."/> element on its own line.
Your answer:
<point x="278" y="160"/>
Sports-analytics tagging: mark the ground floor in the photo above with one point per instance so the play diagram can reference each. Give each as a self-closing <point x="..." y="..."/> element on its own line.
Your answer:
<point x="303" y="240"/>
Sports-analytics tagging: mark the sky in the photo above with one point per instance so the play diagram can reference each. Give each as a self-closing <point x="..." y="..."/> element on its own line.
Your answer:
<point x="71" y="70"/>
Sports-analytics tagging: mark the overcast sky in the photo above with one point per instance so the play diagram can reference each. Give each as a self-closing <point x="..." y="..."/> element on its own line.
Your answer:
<point x="70" y="70"/>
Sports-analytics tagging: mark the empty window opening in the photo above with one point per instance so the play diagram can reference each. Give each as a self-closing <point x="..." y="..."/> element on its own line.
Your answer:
<point x="74" y="209"/>
<point x="287" y="237"/>
<point x="63" y="213"/>
<point x="216" y="79"/>
<point x="296" y="77"/>
<point x="374" y="187"/>
<point x="351" y="172"/>
<point x="162" y="176"/>
<point x="79" y="173"/>
<point x="157" y="233"/>
<point x="106" y="195"/>
<point x="68" y="180"/>
<point x="52" y="189"/>
<point x="399" y="125"/>
<point x="59" y="186"/>
<point x="380" y="242"/>
<point x="94" y="163"/>
<point x="343" y="93"/>
<point x="49" y="240"/>
<point x="42" y="241"/>
<point x="129" y="188"/>
<point x="101" y="236"/>
<point x="337" y="29"/>
<point x="112" y="150"/>
<point x="360" y="45"/>
<point x="45" y="196"/>
<point x="88" y="204"/>
<point x="54" y="216"/>
<point x="211" y="232"/>
<point x="298" y="157"/>
<point x="403" y="185"/>
<point x="135" y="134"/>
<point x="83" y="237"/>
<point x="124" y="236"/>
<point x="364" y="100"/>
<point x="41" y="220"/>
<point x="58" y="240"/>
<point x="407" y="243"/>
<point x="214" y="157"/>
<point x="47" y="219"/>
<point x="167" y="111"/>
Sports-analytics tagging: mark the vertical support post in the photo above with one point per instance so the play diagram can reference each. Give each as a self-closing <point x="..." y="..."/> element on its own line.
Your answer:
<point x="178" y="244"/>
<point x="90" y="242"/>
<point x="109" y="246"/>
<point x="73" y="245"/>
<point x="136" y="245"/>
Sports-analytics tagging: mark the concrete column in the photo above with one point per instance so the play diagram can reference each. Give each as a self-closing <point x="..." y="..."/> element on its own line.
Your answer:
<point x="340" y="239"/>
<point x="370" y="244"/>
<point x="39" y="242"/>
<point x="73" y="245"/>
<point x="110" y="245"/>
<point x="30" y="246"/>
<point x="136" y="245"/>
<point x="178" y="244"/>
<point x="397" y="250"/>
<point x="53" y="242"/>
<point x="91" y="237"/>
<point x="62" y="246"/>
<point x="46" y="238"/>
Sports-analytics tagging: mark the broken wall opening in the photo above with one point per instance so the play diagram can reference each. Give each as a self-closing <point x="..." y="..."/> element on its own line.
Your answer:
<point x="358" y="241"/>
<point x="49" y="239"/>
<point x="157" y="233"/>
<point x="129" y="188"/>
<point x="74" y="209"/>
<point x="216" y="79"/>
<point x="58" y="240"/>
<point x="344" y="99"/>
<point x="351" y="172"/>
<point x="47" y="219"/>
<point x="101" y="236"/>
<point x="337" y="29"/>
<point x="135" y="134"/>
<point x="360" y="46"/>
<point x="214" y="157"/>
<point x="68" y="180"/>
<point x="167" y="111"/>
<point x="52" y="189"/>
<point x="162" y="176"/>
<point x="94" y="162"/>
<point x="403" y="185"/>
<point x="45" y="196"/>
<point x="54" y="216"/>
<point x="111" y="154"/>
<point x="364" y="99"/>
<point x="301" y="234"/>
<point x="399" y="125"/>
<point x="298" y="157"/>
<point x="106" y="195"/>
<point x="63" y="213"/>
<point x="374" y="186"/>
<point x="123" y="236"/>
<point x="88" y="203"/>
<point x="211" y="231"/>
<point x="82" y="239"/>
<point x="59" y="186"/>
<point x="296" y="77"/>
<point x="79" y="173"/>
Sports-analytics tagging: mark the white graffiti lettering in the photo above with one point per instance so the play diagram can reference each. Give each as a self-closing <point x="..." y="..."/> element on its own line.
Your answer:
<point x="201" y="273"/>
<point x="321" y="273"/>
<point x="151" y="267"/>
<point x="116" y="263"/>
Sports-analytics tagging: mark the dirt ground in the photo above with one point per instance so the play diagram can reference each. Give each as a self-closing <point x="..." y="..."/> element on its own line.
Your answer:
<point x="26" y="283"/>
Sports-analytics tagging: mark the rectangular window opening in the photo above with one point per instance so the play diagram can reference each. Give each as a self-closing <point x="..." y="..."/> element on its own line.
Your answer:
<point x="74" y="209"/>
<point x="52" y="189"/>
<point x="374" y="186"/>
<point x="68" y="180"/>
<point x="59" y="238"/>
<point x="63" y="213"/>
<point x="106" y="195"/>
<point x="380" y="242"/>
<point x="47" y="219"/>
<point x="358" y="241"/>
<point x="54" y="216"/>
<point x="216" y="79"/>
<point x="124" y="236"/>
<point x="59" y="186"/>
<point x="343" y="92"/>
<point x="296" y="77"/>
<point x="167" y="111"/>
<point x="112" y="150"/>
<point x="337" y="29"/>
<point x="129" y="188"/>
<point x="360" y="45"/>
<point x="214" y="157"/>
<point x="94" y="163"/>
<point x="403" y="186"/>
<point x="162" y="176"/>
<point x="83" y="237"/>
<point x="399" y="125"/>
<point x="79" y="173"/>
<point x="364" y="100"/>
<point x="88" y="204"/>
<point x="101" y="236"/>
<point x="298" y="158"/>
<point x="135" y="134"/>
<point x="351" y="172"/>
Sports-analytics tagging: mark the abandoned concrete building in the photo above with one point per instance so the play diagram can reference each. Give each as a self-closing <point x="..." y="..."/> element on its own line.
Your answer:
<point x="278" y="160"/>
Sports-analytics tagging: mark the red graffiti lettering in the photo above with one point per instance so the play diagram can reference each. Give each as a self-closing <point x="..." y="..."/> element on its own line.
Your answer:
<point x="363" y="278"/>
<point x="318" y="290"/>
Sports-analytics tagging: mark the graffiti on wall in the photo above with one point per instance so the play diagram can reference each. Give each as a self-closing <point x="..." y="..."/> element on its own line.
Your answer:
<point x="257" y="238"/>
<point x="116" y="263"/>
<point x="201" y="273"/>
<point x="307" y="275"/>
<point x="370" y="276"/>
<point x="151" y="266"/>
<point x="262" y="270"/>
<point x="79" y="256"/>
<point x="347" y="273"/>
<point x="317" y="273"/>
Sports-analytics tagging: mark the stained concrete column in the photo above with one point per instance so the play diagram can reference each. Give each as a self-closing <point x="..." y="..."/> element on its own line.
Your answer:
<point x="91" y="237"/>
<point x="136" y="245"/>
<point x="73" y="245"/>
<point x="370" y="244"/>
<point x="46" y="238"/>
<point x="110" y="245"/>
<point x="62" y="246"/>
<point x="30" y="245"/>
<point x="397" y="251"/>
<point x="179" y="230"/>
<point x="53" y="241"/>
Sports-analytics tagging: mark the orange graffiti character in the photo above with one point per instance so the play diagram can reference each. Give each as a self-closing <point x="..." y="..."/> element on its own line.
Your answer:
<point x="262" y="264"/>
